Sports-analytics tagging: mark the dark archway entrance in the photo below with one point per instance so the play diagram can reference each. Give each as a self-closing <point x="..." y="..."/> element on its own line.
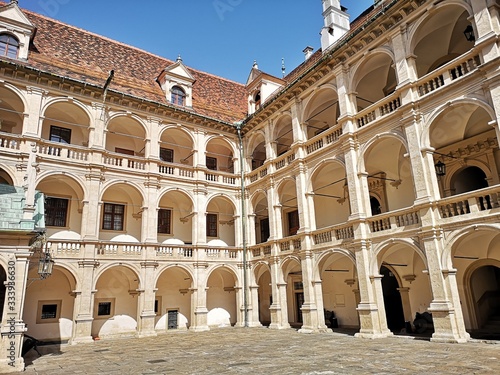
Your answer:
<point x="392" y="300"/>
<point x="485" y="285"/>
<point x="469" y="179"/>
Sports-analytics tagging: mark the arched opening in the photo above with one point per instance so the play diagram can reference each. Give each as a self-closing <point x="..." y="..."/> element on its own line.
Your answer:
<point x="265" y="295"/>
<point x="485" y="287"/>
<point x="11" y="114"/>
<point x="469" y="179"/>
<point x="340" y="291"/>
<point x="115" y="303"/>
<point x="392" y="300"/>
<point x="322" y="112"/>
<point x="221" y="298"/>
<point x="173" y="299"/>
<point x="48" y="310"/>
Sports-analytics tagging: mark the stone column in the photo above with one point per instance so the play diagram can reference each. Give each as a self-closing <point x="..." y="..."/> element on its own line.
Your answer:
<point x="149" y="216"/>
<point x="253" y="306"/>
<point x="98" y="126"/>
<point x="32" y="124"/>
<point x="306" y="211"/>
<point x="83" y="313"/>
<point x="309" y="311"/>
<point x="13" y="327"/>
<point x="146" y="302"/>
<point x="199" y="298"/>
<point x="91" y="206"/>
<point x="370" y="315"/>
<point x="405" y="300"/>
<point x="446" y="310"/>
<point x="278" y="309"/>
<point x="486" y="21"/>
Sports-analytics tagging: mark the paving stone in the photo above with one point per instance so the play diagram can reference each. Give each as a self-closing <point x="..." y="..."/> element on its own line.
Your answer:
<point x="261" y="350"/>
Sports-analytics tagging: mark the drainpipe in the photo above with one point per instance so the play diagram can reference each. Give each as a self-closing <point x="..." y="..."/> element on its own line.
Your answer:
<point x="243" y="226"/>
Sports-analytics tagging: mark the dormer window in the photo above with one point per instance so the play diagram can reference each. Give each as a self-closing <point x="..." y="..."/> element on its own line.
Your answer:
<point x="9" y="46"/>
<point x="178" y="96"/>
<point x="257" y="100"/>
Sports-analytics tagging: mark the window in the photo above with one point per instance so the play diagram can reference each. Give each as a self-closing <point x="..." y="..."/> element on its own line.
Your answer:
<point x="48" y="311"/>
<point x="9" y="46"/>
<point x="211" y="163"/>
<point x="257" y="100"/>
<point x="104" y="308"/>
<point x="293" y="222"/>
<point x="164" y="221"/>
<point x="212" y="225"/>
<point x="61" y="135"/>
<point x="167" y="154"/>
<point x="113" y="216"/>
<point x="178" y="96"/>
<point x="56" y="210"/>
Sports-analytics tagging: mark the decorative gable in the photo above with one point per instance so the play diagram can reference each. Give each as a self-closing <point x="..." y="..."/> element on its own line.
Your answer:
<point x="259" y="87"/>
<point x="177" y="84"/>
<point x="13" y="23"/>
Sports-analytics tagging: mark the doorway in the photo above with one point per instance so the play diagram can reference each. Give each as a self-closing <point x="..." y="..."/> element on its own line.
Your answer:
<point x="392" y="300"/>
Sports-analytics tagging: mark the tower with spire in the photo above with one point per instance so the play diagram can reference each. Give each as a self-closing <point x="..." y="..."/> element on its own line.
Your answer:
<point x="336" y="23"/>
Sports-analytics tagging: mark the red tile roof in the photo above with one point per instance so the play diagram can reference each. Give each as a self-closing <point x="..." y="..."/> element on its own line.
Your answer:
<point x="74" y="53"/>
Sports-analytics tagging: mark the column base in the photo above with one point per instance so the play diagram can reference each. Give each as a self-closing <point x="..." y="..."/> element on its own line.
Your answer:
<point x="81" y="340"/>
<point x="448" y="338"/>
<point x="373" y="335"/>
<point x="279" y="326"/>
<point x="199" y="328"/>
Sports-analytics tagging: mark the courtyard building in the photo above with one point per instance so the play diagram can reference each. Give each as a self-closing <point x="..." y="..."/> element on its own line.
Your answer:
<point x="363" y="186"/>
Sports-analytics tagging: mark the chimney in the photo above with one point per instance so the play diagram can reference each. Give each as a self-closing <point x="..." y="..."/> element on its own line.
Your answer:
<point x="336" y="22"/>
<point x="308" y="51"/>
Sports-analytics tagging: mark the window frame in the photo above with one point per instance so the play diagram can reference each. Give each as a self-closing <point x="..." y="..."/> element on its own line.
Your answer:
<point x="9" y="46"/>
<point x="55" y="211"/>
<point x="56" y="134"/>
<point x="98" y="301"/>
<point x="212" y="225"/>
<point x="166" y="158"/>
<point x="41" y="304"/>
<point x="211" y="163"/>
<point x="169" y="219"/>
<point x="178" y="95"/>
<point x="113" y="214"/>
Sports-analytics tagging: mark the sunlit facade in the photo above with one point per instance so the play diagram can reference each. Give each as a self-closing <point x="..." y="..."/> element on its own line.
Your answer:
<point x="254" y="206"/>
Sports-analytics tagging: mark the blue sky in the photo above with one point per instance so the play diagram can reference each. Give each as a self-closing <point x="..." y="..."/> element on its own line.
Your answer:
<point x="222" y="37"/>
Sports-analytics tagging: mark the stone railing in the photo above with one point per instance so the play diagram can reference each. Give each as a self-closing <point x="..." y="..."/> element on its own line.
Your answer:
<point x="472" y="202"/>
<point x="333" y="234"/>
<point x="123" y="161"/>
<point x="325" y="138"/>
<point x="63" y="151"/>
<point x="221" y="177"/>
<point x="383" y="107"/>
<point x="177" y="170"/>
<point x="448" y="73"/>
<point x="394" y="219"/>
<point x="10" y="141"/>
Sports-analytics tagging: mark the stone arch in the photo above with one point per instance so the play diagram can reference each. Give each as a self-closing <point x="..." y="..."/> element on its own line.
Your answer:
<point x="222" y="296"/>
<point x="13" y="109"/>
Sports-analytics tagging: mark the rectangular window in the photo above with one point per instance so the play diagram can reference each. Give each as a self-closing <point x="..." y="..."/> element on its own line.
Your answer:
<point x="104" y="308"/>
<point x="61" y="135"/>
<point x="48" y="311"/>
<point x="293" y="222"/>
<point x="56" y="211"/>
<point x="113" y="217"/>
<point x="158" y="305"/>
<point x="211" y="163"/>
<point x="124" y="151"/>
<point x="212" y="225"/>
<point x="164" y="221"/>
<point x="167" y="154"/>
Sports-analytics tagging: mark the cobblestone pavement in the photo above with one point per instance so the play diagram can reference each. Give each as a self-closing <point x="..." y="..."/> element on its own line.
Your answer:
<point x="265" y="351"/>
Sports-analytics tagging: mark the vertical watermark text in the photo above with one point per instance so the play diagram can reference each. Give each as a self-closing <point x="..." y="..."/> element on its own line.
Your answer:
<point x="10" y="288"/>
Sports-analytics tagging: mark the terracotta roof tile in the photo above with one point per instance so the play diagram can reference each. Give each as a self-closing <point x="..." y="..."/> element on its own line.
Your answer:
<point x="71" y="52"/>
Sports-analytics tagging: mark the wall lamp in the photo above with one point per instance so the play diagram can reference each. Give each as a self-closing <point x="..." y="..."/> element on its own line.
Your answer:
<point x="440" y="166"/>
<point x="45" y="262"/>
<point x="469" y="33"/>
